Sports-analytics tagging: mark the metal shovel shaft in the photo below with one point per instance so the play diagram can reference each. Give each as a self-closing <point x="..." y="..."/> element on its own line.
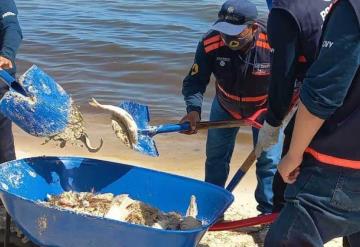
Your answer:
<point x="11" y="82"/>
<point x="168" y="128"/>
<point x="221" y="124"/>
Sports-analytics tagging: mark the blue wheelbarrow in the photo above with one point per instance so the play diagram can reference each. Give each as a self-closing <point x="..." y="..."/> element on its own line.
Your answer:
<point x="23" y="183"/>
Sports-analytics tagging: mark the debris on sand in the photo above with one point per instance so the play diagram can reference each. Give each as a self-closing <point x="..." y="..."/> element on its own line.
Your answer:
<point x="75" y="132"/>
<point x="123" y="208"/>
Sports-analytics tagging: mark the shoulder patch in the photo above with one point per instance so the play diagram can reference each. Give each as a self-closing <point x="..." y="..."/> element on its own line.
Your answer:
<point x="8" y="14"/>
<point x="194" y="69"/>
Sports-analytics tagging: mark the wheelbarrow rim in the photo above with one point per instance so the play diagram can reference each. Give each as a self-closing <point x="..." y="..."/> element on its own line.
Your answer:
<point x="91" y="160"/>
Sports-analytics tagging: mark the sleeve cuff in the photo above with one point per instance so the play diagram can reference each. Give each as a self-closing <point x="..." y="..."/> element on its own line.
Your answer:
<point x="314" y="107"/>
<point x="272" y="120"/>
<point x="8" y="56"/>
<point x="191" y="108"/>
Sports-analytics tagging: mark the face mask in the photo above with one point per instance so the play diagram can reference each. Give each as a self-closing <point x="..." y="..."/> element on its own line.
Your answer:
<point x="237" y="42"/>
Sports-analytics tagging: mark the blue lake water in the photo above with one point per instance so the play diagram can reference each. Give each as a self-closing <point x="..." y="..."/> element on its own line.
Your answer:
<point x="116" y="50"/>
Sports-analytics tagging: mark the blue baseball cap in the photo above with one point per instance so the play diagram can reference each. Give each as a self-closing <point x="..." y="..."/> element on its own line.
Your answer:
<point x="234" y="16"/>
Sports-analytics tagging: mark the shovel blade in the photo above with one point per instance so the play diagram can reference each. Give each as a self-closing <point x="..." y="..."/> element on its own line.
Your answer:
<point x="46" y="112"/>
<point x="141" y="115"/>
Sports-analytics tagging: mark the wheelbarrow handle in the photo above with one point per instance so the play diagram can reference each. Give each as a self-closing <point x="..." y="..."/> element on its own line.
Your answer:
<point x="11" y="82"/>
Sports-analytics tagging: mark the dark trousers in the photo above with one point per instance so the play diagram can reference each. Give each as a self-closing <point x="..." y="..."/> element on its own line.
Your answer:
<point x="7" y="149"/>
<point x="279" y="187"/>
<point x="323" y="203"/>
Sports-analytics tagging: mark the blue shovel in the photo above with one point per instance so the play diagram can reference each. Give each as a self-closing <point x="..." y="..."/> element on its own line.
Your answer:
<point x="145" y="132"/>
<point x="38" y="105"/>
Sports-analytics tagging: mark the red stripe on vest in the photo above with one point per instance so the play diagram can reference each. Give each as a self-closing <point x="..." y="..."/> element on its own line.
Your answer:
<point x="211" y="40"/>
<point x="302" y="59"/>
<point x="263" y="44"/>
<point x="242" y="99"/>
<point x="332" y="160"/>
<point x="263" y="36"/>
<point x="261" y="73"/>
<point x="214" y="46"/>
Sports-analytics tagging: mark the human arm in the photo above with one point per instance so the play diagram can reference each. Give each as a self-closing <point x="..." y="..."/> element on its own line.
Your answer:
<point x="326" y="84"/>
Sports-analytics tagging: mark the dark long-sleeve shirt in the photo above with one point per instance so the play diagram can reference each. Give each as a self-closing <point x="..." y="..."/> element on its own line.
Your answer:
<point x="283" y="65"/>
<point x="11" y="34"/>
<point x="195" y="83"/>
<point x="269" y="3"/>
<point x="329" y="78"/>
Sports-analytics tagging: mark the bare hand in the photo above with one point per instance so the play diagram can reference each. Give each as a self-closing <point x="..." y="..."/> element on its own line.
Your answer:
<point x="192" y="117"/>
<point x="5" y="63"/>
<point x="289" y="168"/>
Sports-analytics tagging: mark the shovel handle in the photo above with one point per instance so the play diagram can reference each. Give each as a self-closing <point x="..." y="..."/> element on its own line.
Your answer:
<point x="167" y="128"/>
<point x="220" y="124"/>
<point x="6" y="77"/>
<point x="249" y="161"/>
<point x="11" y="82"/>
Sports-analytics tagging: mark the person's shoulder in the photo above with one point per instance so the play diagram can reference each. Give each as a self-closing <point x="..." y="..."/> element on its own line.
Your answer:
<point x="262" y="24"/>
<point x="210" y="35"/>
<point x="286" y="3"/>
<point x="211" y="41"/>
<point x="7" y="8"/>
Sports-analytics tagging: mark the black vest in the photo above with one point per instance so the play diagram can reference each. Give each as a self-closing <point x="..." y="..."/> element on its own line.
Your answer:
<point x="242" y="80"/>
<point x="338" y="140"/>
<point x="356" y="6"/>
<point x="309" y="16"/>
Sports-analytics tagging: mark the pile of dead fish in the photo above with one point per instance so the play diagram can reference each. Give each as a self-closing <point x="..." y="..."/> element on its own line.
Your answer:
<point x="125" y="209"/>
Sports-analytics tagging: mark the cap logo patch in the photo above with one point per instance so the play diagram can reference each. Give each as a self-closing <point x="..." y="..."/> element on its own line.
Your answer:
<point x="230" y="10"/>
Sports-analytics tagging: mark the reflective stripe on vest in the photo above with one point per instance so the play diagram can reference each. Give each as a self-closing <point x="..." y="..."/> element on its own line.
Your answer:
<point x="261" y="98"/>
<point x="332" y="160"/>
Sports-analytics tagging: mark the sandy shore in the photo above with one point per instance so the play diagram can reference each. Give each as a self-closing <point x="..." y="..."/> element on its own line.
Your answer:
<point x="179" y="154"/>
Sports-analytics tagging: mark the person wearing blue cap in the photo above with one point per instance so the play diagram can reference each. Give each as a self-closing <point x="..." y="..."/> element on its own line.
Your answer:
<point x="236" y="51"/>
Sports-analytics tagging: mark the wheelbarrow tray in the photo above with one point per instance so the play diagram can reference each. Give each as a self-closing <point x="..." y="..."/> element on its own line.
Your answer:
<point x="25" y="182"/>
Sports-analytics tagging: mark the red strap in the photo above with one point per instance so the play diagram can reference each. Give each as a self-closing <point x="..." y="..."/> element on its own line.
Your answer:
<point x="259" y="220"/>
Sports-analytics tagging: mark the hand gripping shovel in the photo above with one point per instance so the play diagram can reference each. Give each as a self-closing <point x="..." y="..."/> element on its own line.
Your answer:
<point x="42" y="108"/>
<point x="130" y="122"/>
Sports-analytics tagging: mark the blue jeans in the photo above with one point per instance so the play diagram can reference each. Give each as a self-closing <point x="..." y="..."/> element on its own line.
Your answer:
<point x="323" y="203"/>
<point x="219" y="149"/>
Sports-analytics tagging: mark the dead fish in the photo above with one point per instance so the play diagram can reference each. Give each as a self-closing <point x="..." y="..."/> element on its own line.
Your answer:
<point x="192" y="209"/>
<point x="190" y="221"/>
<point x="122" y="123"/>
<point x="85" y="139"/>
